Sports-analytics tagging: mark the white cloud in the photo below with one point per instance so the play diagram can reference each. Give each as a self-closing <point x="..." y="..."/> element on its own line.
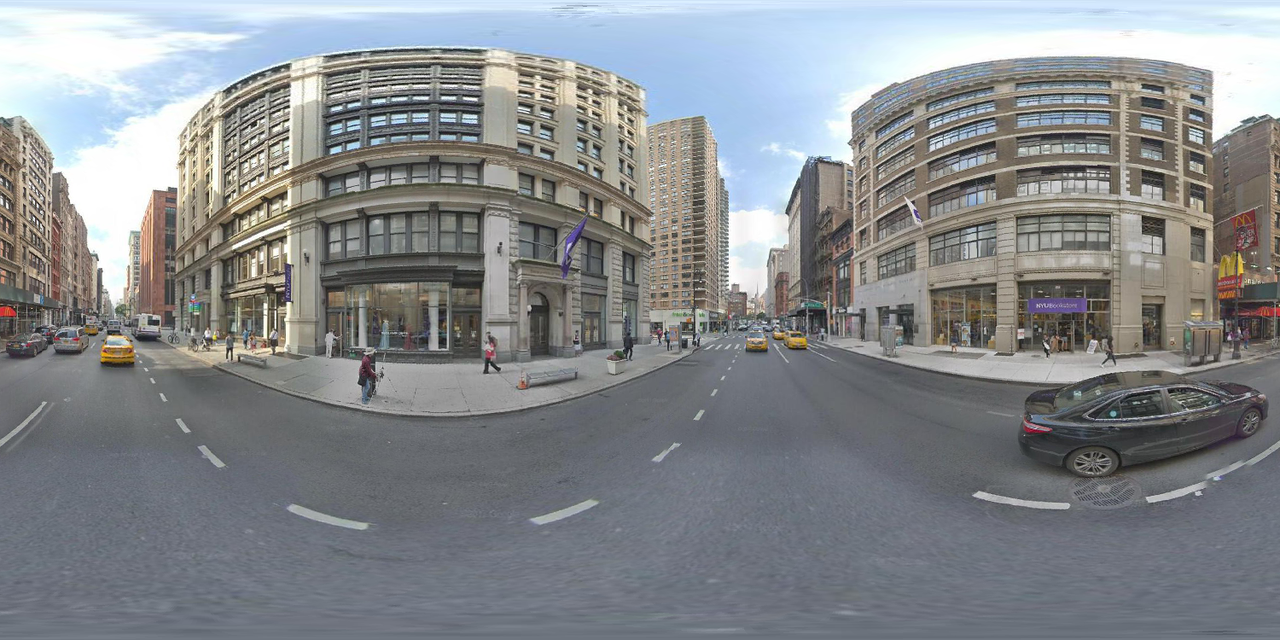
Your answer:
<point x="750" y="279"/>
<point x="111" y="182"/>
<point x="88" y="53"/>
<point x="757" y="226"/>
<point x="780" y="150"/>
<point x="726" y="171"/>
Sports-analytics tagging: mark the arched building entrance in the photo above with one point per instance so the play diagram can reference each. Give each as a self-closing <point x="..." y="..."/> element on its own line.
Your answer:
<point x="539" y="325"/>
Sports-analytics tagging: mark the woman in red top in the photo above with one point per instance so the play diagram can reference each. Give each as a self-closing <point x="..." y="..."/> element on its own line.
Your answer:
<point x="366" y="375"/>
<point x="490" y="355"/>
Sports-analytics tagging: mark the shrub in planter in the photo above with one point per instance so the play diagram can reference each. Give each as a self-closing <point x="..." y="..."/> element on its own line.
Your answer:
<point x="617" y="355"/>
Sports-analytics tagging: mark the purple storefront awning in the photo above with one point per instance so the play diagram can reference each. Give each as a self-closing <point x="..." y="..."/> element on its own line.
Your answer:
<point x="1057" y="305"/>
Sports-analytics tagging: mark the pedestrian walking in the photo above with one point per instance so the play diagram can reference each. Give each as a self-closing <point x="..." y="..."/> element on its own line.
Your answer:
<point x="491" y="355"/>
<point x="366" y="375"/>
<point x="275" y="340"/>
<point x="1045" y="343"/>
<point x="245" y="335"/>
<point x="208" y="337"/>
<point x="329" y="340"/>
<point x="697" y="339"/>
<point x="231" y="345"/>
<point x="628" y="344"/>
<point x="577" y="345"/>
<point x="1111" y="352"/>
<point x="667" y="335"/>
<point x="1244" y="336"/>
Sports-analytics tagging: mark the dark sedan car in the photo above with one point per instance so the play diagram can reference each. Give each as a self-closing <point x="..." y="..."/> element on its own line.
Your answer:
<point x="26" y="345"/>
<point x="1097" y="425"/>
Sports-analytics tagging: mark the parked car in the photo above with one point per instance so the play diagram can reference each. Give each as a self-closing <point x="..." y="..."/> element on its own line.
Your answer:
<point x="30" y="344"/>
<point x="1098" y="425"/>
<point x="70" y="340"/>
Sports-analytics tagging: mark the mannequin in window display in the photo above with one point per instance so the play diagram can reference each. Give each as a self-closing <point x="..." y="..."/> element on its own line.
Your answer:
<point x="408" y="338"/>
<point x="385" y="341"/>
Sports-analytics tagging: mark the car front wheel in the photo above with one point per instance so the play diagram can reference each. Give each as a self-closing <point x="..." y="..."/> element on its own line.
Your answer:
<point x="1249" y="423"/>
<point x="1093" y="462"/>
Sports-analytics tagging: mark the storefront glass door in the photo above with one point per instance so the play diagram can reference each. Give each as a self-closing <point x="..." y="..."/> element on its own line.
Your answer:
<point x="1152" y="326"/>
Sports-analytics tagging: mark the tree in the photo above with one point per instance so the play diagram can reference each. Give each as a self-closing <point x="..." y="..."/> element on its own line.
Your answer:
<point x="122" y="309"/>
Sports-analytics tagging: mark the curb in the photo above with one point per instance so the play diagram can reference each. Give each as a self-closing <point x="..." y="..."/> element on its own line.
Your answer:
<point x="452" y="414"/>
<point x="1030" y="383"/>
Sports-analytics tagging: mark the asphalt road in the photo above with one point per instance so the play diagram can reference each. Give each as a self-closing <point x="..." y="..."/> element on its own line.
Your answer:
<point x="814" y="493"/>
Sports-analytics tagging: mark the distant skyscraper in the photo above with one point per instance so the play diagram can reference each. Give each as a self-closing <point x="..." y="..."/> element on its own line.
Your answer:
<point x="690" y="230"/>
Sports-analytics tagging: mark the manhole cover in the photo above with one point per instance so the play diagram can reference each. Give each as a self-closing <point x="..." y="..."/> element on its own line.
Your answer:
<point x="1111" y="492"/>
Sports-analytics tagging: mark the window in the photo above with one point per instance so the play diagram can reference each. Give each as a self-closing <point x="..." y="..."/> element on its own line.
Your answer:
<point x="460" y="173"/>
<point x="896" y="188"/>
<point x="1138" y="405"/>
<point x="1196" y="197"/>
<point x="339" y="127"/>
<point x="525" y="148"/>
<point x="1196" y="115"/>
<point x="963" y="244"/>
<point x="960" y="97"/>
<point x="420" y="235"/>
<point x="1063" y="98"/>
<point x="961" y="113"/>
<point x="1152" y="103"/>
<point x="1186" y="399"/>
<point x="352" y="236"/>
<point x="1063" y="143"/>
<point x="594" y="251"/>
<point x="1153" y="88"/>
<point x="962" y="160"/>
<point x="345" y="183"/>
<point x="1153" y="235"/>
<point x="1064" y="180"/>
<point x="1200" y="100"/>
<point x="1153" y="185"/>
<point x="1196" y="135"/>
<point x="896" y="162"/>
<point x="895" y="141"/>
<point x="1064" y="84"/>
<point x="1197" y="245"/>
<point x="1195" y="162"/>
<point x="548" y="190"/>
<point x="1048" y="118"/>
<point x="1064" y="233"/>
<point x="862" y="272"/>
<point x="460" y="233"/>
<point x="896" y="221"/>
<point x="1151" y="123"/>
<point x="899" y="261"/>
<point x="894" y="124"/>
<point x="377" y="235"/>
<point x="1152" y="149"/>
<point x="966" y="194"/>
<point x="537" y="242"/>
<point x="526" y="184"/>
<point x="546" y="133"/>
<point x="525" y="127"/>
<point x="628" y="268"/>
<point x="965" y="132"/>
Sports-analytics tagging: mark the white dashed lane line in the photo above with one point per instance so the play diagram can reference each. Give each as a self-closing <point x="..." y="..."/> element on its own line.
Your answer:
<point x="564" y="513"/>
<point x="23" y="425"/>
<point x="182" y="425"/>
<point x="699" y="416"/>
<point x="204" y="451"/>
<point x="1176" y="493"/>
<point x="784" y="357"/>
<point x="146" y="370"/>
<point x="163" y="399"/>
<point x="822" y="356"/>
<point x="721" y="379"/>
<point x="661" y="456"/>
<point x="1018" y="502"/>
<point x="153" y="380"/>
<point x="1006" y="415"/>
<point x="326" y="518"/>
<point x="714" y="392"/>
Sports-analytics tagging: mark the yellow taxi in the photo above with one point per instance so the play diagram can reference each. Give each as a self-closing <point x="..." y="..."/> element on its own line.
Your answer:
<point x="779" y="334"/>
<point x="116" y="349"/>
<point x="796" y="340"/>
<point x="91" y="329"/>
<point x="756" y="341"/>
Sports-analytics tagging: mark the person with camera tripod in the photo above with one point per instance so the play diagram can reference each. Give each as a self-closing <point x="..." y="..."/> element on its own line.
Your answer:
<point x="367" y="375"/>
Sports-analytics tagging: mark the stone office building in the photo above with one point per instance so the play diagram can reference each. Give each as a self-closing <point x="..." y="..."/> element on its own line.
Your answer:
<point x="1063" y="197"/>
<point x="416" y="200"/>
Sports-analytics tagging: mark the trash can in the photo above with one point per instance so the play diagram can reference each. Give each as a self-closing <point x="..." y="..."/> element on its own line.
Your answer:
<point x="684" y="343"/>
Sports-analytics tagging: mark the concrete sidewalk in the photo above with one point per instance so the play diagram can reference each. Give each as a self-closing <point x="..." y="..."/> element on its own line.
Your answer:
<point x="1031" y="367"/>
<point x="460" y="389"/>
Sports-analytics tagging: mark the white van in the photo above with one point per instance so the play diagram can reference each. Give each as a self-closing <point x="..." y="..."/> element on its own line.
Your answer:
<point x="148" y="327"/>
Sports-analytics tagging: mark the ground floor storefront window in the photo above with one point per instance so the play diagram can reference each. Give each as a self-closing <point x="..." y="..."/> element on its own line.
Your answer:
<point x="906" y="318"/>
<point x="259" y="314"/>
<point x="593" y="335"/>
<point x="629" y="310"/>
<point x="965" y="317"/>
<point x="1066" y="314"/>
<point x="408" y="316"/>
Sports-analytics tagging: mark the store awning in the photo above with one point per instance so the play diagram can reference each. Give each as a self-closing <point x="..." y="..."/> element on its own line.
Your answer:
<point x="8" y="312"/>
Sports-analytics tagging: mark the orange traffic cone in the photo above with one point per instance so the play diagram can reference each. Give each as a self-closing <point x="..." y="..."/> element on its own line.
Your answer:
<point x="524" y="384"/>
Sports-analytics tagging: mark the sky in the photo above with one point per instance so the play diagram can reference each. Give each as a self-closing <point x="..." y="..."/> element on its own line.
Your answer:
<point x="110" y="84"/>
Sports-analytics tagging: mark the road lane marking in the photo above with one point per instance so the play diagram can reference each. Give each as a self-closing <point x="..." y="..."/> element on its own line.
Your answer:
<point x="660" y="456"/>
<point x="784" y="358"/>
<point x="1176" y="493"/>
<point x="1258" y="458"/>
<point x="153" y="381"/>
<point x="731" y="368"/>
<point x="822" y="356"/>
<point x="721" y="378"/>
<point x="22" y="426"/>
<point x="146" y="370"/>
<point x="212" y="458"/>
<point x="564" y="513"/>
<point x="326" y="518"/>
<point x="163" y="399"/>
<point x="713" y="392"/>
<point x="182" y="425"/>
<point x="1217" y="475"/>
<point x="1006" y="415"/>
<point x="700" y="412"/>
<point x="1018" y="502"/>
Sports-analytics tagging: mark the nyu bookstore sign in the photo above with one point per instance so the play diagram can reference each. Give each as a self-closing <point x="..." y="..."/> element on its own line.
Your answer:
<point x="1057" y="305"/>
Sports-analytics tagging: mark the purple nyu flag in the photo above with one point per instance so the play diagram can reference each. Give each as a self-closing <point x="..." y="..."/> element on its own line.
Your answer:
<point x="569" y="243"/>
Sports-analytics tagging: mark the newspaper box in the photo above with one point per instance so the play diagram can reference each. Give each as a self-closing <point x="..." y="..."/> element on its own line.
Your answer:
<point x="1201" y="340"/>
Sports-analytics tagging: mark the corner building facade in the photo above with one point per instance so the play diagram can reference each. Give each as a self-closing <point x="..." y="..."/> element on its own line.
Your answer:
<point x="414" y="200"/>
<point x="1064" y="197"/>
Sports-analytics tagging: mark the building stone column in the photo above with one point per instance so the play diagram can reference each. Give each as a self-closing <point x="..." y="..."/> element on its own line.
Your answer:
<point x="1006" y="285"/>
<point x="522" y="325"/>
<point x="303" y="315"/>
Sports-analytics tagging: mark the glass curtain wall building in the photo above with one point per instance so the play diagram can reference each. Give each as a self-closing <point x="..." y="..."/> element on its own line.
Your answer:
<point x="416" y="200"/>
<point x="1061" y="198"/>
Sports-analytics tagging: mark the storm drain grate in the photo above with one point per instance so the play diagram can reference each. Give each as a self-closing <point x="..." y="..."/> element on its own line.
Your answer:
<point x="1105" y="493"/>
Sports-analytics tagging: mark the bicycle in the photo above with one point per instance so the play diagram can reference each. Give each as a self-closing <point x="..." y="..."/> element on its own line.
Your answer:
<point x="173" y="337"/>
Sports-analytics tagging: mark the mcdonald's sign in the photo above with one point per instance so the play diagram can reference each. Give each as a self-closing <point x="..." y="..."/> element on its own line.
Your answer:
<point x="1230" y="276"/>
<point x="1246" y="229"/>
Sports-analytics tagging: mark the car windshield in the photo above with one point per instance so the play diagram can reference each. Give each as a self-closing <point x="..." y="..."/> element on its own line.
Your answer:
<point x="117" y="342"/>
<point x="756" y="335"/>
<point x="796" y="334"/>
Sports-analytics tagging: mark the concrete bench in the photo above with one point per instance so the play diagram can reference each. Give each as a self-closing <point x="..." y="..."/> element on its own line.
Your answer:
<point x="549" y="376"/>
<point x="253" y="360"/>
